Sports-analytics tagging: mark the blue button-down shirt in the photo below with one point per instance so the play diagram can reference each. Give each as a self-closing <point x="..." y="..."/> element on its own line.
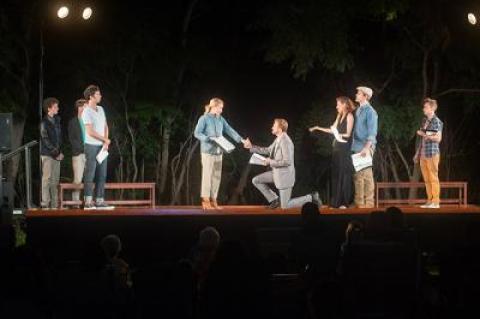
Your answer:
<point x="210" y="125"/>
<point x="365" y="127"/>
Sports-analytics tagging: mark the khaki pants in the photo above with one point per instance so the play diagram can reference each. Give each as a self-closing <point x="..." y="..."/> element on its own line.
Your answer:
<point x="50" y="179"/>
<point x="364" y="188"/>
<point x="262" y="181"/>
<point x="211" y="175"/>
<point x="78" y="165"/>
<point x="429" y="167"/>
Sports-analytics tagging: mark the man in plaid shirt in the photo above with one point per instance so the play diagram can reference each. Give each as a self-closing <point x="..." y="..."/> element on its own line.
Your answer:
<point x="429" y="152"/>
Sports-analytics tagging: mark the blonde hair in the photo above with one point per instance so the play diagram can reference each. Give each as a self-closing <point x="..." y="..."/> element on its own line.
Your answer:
<point x="282" y="123"/>
<point x="213" y="102"/>
<point x="433" y="103"/>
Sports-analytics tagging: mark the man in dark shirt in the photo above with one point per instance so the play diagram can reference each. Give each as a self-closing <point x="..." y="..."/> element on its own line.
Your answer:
<point x="51" y="154"/>
<point x="76" y="135"/>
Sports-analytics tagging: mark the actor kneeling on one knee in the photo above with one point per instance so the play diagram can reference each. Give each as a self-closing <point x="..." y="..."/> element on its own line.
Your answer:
<point x="280" y="158"/>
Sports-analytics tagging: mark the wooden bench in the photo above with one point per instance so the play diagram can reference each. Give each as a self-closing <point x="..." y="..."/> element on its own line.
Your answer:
<point x="461" y="200"/>
<point x="149" y="202"/>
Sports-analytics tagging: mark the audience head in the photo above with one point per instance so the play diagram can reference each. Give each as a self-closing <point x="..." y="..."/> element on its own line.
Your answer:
<point x="397" y="217"/>
<point x="353" y="231"/>
<point x="310" y="211"/>
<point x="111" y="246"/>
<point x="209" y="238"/>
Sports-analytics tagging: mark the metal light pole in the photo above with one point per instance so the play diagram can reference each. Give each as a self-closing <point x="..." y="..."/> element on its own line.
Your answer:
<point x="62" y="13"/>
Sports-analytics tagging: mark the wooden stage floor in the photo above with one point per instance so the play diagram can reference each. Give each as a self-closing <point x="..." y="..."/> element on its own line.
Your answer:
<point x="244" y="210"/>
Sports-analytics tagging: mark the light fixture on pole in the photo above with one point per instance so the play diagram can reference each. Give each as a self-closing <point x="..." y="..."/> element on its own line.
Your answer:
<point x="472" y="19"/>
<point x="87" y="13"/>
<point x="63" y="12"/>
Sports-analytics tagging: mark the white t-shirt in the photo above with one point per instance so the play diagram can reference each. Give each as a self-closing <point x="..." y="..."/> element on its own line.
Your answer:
<point x="98" y="121"/>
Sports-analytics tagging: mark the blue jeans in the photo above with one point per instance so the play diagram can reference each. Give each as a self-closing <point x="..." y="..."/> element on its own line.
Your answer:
<point x="92" y="167"/>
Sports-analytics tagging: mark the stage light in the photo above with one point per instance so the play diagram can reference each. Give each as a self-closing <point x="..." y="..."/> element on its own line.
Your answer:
<point x="87" y="13"/>
<point x="62" y="12"/>
<point x="472" y="18"/>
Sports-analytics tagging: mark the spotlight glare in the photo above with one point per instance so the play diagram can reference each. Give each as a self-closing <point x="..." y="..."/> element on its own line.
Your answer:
<point x="87" y="13"/>
<point x="472" y="18"/>
<point x="62" y="12"/>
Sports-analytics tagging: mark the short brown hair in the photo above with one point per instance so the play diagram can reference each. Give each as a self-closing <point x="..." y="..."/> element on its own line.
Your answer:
<point x="80" y="103"/>
<point x="90" y="91"/>
<point x="282" y="123"/>
<point x="48" y="103"/>
<point x="433" y="103"/>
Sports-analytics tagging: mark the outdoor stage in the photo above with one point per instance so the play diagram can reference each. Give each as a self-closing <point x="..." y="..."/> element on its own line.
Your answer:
<point x="244" y="210"/>
<point x="148" y="233"/>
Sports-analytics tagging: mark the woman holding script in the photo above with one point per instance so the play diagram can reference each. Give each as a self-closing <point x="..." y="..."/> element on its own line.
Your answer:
<point x="209" y="131"/>
<point x="342" y="169"/>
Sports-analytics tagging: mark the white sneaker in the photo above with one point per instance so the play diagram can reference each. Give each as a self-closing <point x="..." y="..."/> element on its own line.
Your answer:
<point x="434" y="205"/>
<point x="426" y="205"/>
<point x="104" y="206"/>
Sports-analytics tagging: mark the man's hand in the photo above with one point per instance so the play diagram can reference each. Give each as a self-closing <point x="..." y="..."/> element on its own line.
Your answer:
<point x="246" y="143"/>
<point x="365" y="151"/>
<point x="268" y="161"/>
<point x="60" y="157"/>
<point x="415" y="158"/>
<point x="421" y="133"/>
<point x="107" y="141"/>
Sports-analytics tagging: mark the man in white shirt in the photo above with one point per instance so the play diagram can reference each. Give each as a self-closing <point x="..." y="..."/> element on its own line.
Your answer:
<point x="96" y="140"/>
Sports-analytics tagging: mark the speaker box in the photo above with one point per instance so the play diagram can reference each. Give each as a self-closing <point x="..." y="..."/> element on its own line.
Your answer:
<point x="6" y="132"/>
<point x="6" y="203"/>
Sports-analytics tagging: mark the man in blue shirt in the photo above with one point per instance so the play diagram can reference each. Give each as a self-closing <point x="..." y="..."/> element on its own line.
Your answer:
<point x="364" y="142"/>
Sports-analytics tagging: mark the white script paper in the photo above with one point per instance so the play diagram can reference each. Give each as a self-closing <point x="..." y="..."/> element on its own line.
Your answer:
<point x="223" y="143"/>
<point x="360" y="162"/>
<point x="337" y="135"/>
<point x="257" y="159"/>
<point x="102" y="156"/>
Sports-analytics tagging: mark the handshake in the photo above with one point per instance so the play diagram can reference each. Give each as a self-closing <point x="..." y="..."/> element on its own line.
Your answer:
<point x="246" y="143"/>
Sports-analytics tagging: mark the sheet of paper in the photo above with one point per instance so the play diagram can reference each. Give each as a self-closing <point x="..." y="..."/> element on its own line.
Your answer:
<point x="360" y="162"/>
<point x="257" y="159"/>
<point x="102" y="155"/>
<point x="223" y="143"/>
<point x="337" y="135"/>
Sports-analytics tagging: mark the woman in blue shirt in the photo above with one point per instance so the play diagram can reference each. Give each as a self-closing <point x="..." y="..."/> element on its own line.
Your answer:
<point x="212" y="124"/>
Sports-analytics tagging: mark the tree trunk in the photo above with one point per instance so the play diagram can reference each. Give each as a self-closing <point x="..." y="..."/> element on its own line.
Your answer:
<point x="166" y="134"/>
<point x="237" y="195"/>
<point x="177" y="182"/>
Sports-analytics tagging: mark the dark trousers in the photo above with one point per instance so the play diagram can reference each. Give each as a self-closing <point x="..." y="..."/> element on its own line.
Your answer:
<point x="94" y="172"/>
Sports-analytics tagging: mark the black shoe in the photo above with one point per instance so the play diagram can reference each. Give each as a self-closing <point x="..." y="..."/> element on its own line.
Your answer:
<point x="274" y="204"/>
<point x="316" y="199"/>
<point x="104" y="206"/>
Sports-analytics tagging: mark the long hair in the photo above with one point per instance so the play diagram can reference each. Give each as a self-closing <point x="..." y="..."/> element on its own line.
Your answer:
<point x="213" y="102"/>
<point x="350" y="107"/>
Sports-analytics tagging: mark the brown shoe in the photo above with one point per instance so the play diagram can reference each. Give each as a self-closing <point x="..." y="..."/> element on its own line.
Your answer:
<point x="214" y="204"/>
<point x="206" y="204"/>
